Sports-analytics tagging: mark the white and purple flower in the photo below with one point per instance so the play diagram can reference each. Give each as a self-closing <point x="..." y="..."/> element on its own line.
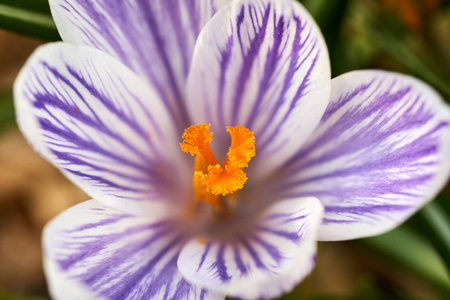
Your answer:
<point x="330" y="159"/>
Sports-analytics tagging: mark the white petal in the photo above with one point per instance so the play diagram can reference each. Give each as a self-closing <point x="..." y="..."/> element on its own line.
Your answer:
<point x="262" y="64"/>
<point x="104" y="128"/>
<point x="381" y="152"/>
<point x="110" y="254"/>
<point x="264" y="262"/>
<point x="155" y="38"/>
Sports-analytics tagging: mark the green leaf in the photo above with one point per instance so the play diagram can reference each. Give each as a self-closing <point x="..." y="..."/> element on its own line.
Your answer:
<point x="40" y="6"/>
<point x="413" y="252"/>
<point x="433" y="224"/>
<point x="7" y="117"/>
<point x="28" y="17"/>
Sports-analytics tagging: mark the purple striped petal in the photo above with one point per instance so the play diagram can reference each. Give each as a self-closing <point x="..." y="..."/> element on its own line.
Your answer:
<point x="155" y="38"/>
<point x="114" y="255"/>
<point x="262" y="262"/>
<point x="381" y="152"/>
<point x="102" y="126"/>
<point x="261" y="64"/>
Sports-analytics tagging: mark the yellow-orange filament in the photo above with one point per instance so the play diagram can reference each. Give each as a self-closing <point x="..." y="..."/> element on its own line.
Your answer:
<point x="212" y="179"/>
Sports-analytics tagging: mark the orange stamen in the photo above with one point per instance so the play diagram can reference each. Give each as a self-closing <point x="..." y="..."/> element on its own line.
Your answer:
<point x="242" y="147"/>
<point x="196" y="140"/>
<point x="212" y="179"/>
<point x="223" y="181"/>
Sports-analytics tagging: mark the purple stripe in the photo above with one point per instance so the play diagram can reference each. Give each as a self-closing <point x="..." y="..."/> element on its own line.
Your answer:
<point x="331" y="109"/>
<point x="202" y="260"/>
<point x="294" y="102"/>
<point x="105" y="222"/>
<point x="153" y="287"/>
<point x="225" y="58"/>
<point x="86" y="146"/>
<point x="366" y="209"/>
<point x="173" y="10"/>
<point x="99" y="125"/>
<point x="370" y="135"/>
<point x="292" y="236"/>
<point x="272" y="61"/>
<point x="144" y="35"/>
<point x="219" y="265"/>
<point x="273" y="251"/>
<point x="294" y="66"/>
<point x="90" y="248"/>
<point x="150" y="22"/>
<point x="248" y="58"/>
<point x="72" y="160"/>
<point x="253" y="254"/>
<point x="287" y="217"/>
<point x="48" y="100"/>
<point x="238" y="259"/>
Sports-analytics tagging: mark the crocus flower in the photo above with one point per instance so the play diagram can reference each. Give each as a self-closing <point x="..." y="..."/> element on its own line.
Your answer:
<point x="216" y="148"/>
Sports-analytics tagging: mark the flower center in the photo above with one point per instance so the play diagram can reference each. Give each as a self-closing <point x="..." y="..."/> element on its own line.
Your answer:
<point x="212" y="180"/>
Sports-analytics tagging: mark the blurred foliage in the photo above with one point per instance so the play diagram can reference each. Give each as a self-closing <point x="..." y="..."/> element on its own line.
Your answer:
<point x="28" y="17"/>
<point x="433" y="224"/>
<point x="412" y="251"/>
<point x="329" y="14"/>
<point x="7" y="117"/>
<point x="360" y="34"/>
<point x="391" y="39"/>
<point x="5" y="295"/>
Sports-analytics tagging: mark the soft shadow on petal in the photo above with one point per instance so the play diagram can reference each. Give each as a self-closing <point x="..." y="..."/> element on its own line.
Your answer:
<point x="381" y="152"/>
<point x="102" y="126"/>
<point x="155" y="38"/>
<point x="262" y="64"/>
<point x="115" y="255"/>
<point x="263" y="263"/>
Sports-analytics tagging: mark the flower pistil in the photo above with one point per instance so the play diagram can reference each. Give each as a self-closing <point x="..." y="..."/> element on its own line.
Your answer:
<point x="212" y="179"/>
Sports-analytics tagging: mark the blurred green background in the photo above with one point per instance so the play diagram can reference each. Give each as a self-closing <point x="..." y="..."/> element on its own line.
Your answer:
<point x="411" y="262"/>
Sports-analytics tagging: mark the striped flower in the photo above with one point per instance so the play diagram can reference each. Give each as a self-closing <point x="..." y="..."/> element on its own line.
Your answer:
<point x="217" y="149"/>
